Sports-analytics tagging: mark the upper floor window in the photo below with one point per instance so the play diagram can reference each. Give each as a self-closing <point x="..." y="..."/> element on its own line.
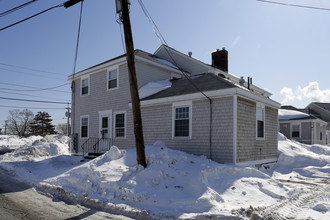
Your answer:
<point x="84" y="86"/>
<point x="260" y="121"/>
<point x="113" y="79"/>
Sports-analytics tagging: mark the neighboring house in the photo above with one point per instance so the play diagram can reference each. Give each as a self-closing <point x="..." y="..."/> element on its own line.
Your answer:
<point x="302" y="127"/>
<point x="321" y="110"/>
<point x="211" y="113"/>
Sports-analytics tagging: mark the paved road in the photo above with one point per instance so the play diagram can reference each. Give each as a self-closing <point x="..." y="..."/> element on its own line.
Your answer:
<point x="20" y="201"/>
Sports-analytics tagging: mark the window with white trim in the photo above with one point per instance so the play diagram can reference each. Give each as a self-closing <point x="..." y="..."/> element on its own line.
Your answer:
<point x="120" y="124"/>
<point x="85" y="86"/>
<point x="182" y="122"/>
<point x="84" y="127"/>
<point x="112" y="79"/>
<point x="260" y="112"/>
<point x="295" y="131"/>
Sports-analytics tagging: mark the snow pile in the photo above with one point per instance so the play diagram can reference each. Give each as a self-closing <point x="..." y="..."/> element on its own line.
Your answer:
<point x="284" y="114"/>
<point x="36" y="146"/>
<point x="174" y="183"/>
<point x="9" y="143"/>
<point x="154" y="87"/>
<point x="298" y="160"/>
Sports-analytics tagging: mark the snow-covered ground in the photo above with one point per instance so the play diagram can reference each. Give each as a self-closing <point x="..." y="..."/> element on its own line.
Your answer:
<point x="176" y="184"/>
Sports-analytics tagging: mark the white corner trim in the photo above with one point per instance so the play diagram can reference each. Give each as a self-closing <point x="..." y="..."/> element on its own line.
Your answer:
<point x="235" y="129"/>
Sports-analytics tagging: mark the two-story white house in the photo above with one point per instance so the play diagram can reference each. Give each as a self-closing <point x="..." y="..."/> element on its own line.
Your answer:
<point x="203" y="109"/>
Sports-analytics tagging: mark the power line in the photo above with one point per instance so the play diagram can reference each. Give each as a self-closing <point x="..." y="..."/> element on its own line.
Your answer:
<point x="36" y="74"/>
<point x="34" y="107"/>
<point x="21" y="67"/>
<point x="161" y="38"/>
<point x="36" y="96"/>
<point x="30" y="100"/>
<point x="294" y="5"/>
<point x="34" y="89"/>
<point x="56" y="6"/>
<point x="16" y="8"/>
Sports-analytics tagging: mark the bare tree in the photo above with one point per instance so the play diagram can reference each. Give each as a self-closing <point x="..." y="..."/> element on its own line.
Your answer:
<point x="18" y="121"/>
<point x="63" y="128"/>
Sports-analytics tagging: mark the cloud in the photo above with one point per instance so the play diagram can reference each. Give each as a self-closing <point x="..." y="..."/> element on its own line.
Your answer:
<point x="311" y="92"/>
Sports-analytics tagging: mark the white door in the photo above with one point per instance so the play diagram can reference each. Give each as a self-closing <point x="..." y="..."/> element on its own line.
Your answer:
<point x="105" y="123"/>
<point x="105" y="131"/>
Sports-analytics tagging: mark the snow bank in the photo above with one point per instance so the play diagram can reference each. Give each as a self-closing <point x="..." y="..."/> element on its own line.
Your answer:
<point x="298" y="160"/>
<point x="154" y="87"/>
<point x="11" y="142"/>
<point x="174" y="184"/>
<point x="284" y="114"/>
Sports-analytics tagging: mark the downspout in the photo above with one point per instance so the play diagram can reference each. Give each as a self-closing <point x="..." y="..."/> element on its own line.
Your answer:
<point x="211" y="119"/>
<point x="234" y="129"/>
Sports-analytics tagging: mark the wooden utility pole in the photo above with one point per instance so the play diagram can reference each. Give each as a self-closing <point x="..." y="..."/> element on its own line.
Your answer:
<point x="123" y="9"/>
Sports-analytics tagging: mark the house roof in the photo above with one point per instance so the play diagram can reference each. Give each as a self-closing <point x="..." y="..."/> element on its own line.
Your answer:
<point x="325" y="106"/>
<point x="137" y="52"/>
<point x="203" y="82"/>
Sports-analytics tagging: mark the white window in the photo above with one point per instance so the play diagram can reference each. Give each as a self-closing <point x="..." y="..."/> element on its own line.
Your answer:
<point x="295" y="131"/>
<point x="84" y="126"/>
<point x="120" y="124"/>
<point x="112" y="79"/>
<point x="182" y="120"/>
<point x="84" y="86"/>
<point x="260" y="122"/>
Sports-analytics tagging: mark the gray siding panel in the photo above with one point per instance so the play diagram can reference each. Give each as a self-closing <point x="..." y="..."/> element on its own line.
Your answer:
<point x="101" y="99"/>
<point x="157" y="122"/>
<point x="249" y="148"/>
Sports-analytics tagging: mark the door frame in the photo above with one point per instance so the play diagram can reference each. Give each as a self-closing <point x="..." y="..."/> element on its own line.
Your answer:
<point x="106" y="113"/>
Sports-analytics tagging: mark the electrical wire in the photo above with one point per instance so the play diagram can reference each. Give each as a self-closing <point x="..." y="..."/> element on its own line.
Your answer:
<point x="30" y="100"/>
<point x="74" y="69"/>
<point x="294" y="5"/>
<point x="25" y="19"/>
<point x="34" y="107"/>
<point x="37" y="70"/>
<point x="35" y="89"/>
<point x="36" y="96"/>
<point x="162" y="40"/>
<point x="35" y="74"/>
<point x="16" y="8"/>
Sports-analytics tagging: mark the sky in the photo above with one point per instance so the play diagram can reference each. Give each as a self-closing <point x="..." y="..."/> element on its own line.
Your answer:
<point x="284" y="49"/>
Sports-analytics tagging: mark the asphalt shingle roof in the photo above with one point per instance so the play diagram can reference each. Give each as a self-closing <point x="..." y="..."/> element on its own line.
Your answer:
<point x="204" y="82"/>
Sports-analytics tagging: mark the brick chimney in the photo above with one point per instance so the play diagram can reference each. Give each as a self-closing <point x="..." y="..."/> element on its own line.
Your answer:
<point x="220" y="59"/>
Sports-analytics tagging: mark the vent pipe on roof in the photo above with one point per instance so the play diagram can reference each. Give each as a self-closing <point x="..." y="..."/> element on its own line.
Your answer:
<point x="220" y="59"/>
<point x="241" y="81"/>
<point x="190" y="53"/>
<point x="249" y="82"/>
